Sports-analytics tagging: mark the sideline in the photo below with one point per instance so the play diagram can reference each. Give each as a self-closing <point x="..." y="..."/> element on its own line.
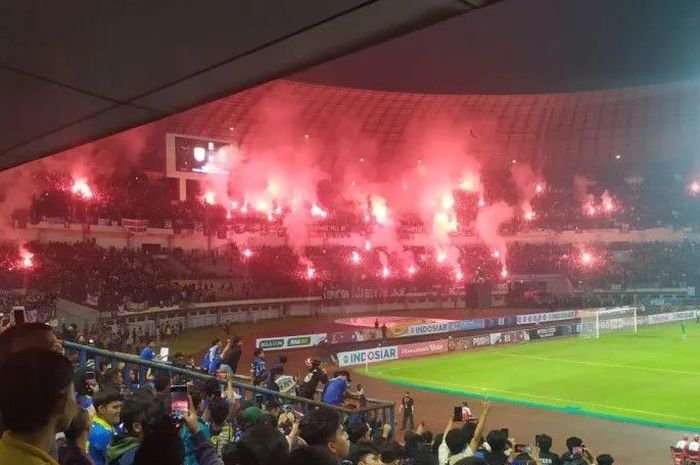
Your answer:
<point x="407" y="382"/>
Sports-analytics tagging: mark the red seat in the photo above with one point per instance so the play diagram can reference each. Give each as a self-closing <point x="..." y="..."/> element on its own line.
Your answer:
<point x="679" y="455"/>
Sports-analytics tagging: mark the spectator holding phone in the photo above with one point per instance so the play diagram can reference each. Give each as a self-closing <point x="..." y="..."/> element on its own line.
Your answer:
<point x="195" y="398"/>
<point x="456" y="443"/>
<point x="163" y="446"/>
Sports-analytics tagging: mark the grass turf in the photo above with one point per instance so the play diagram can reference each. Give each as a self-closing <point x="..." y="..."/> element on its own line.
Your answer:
<point x="649" y="377"/>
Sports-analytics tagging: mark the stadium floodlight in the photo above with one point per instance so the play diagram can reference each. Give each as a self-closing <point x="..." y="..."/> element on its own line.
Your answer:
<point x="607" y="320"/>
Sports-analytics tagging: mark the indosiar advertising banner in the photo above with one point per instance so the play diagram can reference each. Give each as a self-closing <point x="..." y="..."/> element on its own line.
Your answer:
<point x="360" y="357"/>
<point x="535" y="318"/>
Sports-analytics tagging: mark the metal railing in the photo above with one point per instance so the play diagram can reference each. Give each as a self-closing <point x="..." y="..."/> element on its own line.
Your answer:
<point x="241" y="384"/>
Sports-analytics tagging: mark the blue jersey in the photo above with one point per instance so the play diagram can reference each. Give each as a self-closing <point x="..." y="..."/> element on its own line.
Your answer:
<point x="100" y="436"/>
<point x="259" y="370"/>
<point x="147" y="354"/>
<point x="335" y="391"/>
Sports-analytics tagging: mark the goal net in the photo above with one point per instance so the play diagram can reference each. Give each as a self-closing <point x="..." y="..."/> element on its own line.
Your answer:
<point x="607" y="320"/>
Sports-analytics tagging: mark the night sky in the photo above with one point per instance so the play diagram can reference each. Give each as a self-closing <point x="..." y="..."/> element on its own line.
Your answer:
<point x="531" y="46"/>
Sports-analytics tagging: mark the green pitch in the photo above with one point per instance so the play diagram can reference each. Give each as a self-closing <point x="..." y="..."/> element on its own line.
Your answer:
<point x="650" y="377"/>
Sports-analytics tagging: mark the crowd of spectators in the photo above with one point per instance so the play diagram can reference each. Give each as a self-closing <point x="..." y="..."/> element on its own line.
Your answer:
<point x="120" y="280"/>
<point x="660" y="199"/>
<point x="69" y="418"/>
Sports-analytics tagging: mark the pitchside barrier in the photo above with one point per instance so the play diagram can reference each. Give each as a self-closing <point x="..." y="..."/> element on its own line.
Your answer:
<point x="410" y="330"/>
<point x="461" y="343"/>
<point x="384" y="409"/>
<point x="451" y="344"/>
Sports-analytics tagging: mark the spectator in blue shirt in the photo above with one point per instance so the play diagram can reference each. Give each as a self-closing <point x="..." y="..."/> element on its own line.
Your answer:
<point x="146" y="354"/>
<point x="108" y="406"/>
<point x="213" y="356"/>
<point x="335" y="390"/>
<point x="258" y="368"/>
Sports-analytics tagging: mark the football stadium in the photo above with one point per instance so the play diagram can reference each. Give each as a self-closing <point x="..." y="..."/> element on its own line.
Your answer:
<point x="363" y="232"/>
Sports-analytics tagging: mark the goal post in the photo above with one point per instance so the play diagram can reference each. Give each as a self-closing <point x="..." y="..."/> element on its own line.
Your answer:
<point x="599" y="321"/>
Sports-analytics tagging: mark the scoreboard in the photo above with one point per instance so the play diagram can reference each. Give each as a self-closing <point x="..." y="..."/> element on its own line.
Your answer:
<point x="189" y="155"/>
<point x="195" y="158"/>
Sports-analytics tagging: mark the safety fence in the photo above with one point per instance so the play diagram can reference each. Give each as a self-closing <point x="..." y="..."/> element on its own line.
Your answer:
<point x="241" y="384"/>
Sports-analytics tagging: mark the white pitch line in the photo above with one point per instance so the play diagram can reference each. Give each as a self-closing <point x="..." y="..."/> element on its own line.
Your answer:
<point x="602" y="364"/>
<point x="535" y="396"/>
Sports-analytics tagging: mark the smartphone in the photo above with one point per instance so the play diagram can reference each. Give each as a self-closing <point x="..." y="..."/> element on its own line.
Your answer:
<point x="89" y="376"/>
<point x="458" y="414"/>
<point x="19" y="315"/>
<point x="577" y="450"/>
<point x="179" y="403"/>
<point x="523" y="448"/>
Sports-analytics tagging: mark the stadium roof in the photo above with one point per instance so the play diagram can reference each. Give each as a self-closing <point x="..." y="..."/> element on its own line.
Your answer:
<point x="558" y="131"/>
<point x="73" y="72"/>
<point x="532" y="46"/>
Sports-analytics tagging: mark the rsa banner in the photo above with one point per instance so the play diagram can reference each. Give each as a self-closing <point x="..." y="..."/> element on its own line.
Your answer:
<point x="360" y="357"/>
<point x="290" y="342"/>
